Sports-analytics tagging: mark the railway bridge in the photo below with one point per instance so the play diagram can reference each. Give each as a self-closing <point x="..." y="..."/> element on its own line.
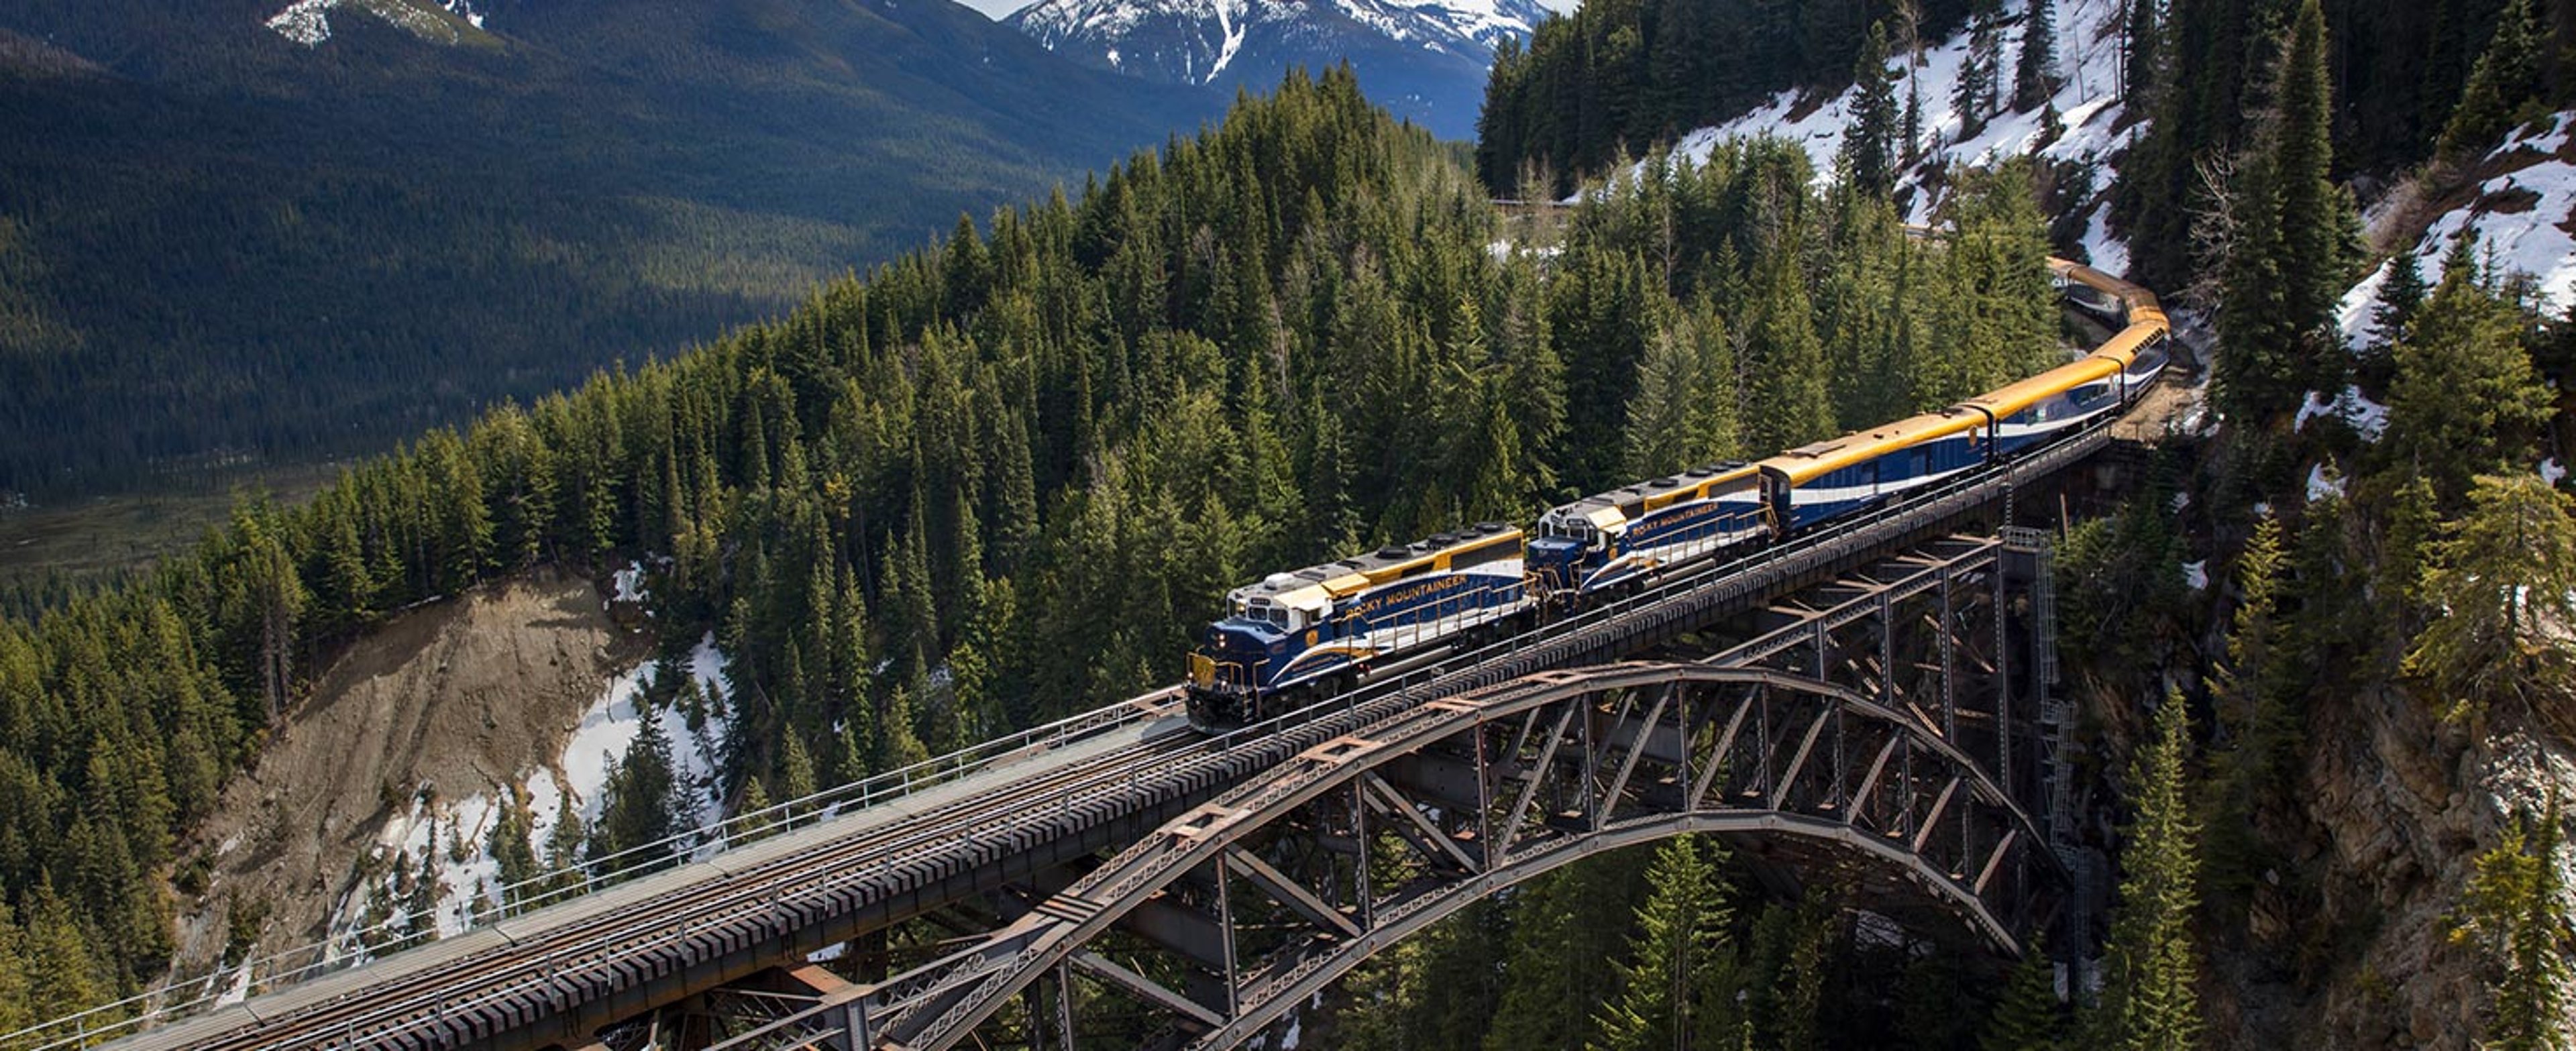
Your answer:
<point x="1882" y="727"/>
<point x="1862" y="710"/>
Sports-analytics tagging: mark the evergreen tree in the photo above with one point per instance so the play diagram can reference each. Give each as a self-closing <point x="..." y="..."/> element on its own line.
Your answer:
<point x="640" y="803"/>
<point x="64" y="975"/>
<point x="1972" y="95"/>
<point x="1787" y="363"/>
<point x="755" y="799"/>
<point x="1677" y="987"/>
<point x="1910" y="150"/>
<point x="1684" y="411"/>
<point x="2464" y="401"/>
<point x="2029" y="1017"/>
<point x="2149" y="1002"/>
<point x="1564" y="924"/>
<point x="1929" y="995"/>
<point x="2141" y="36"/>
<point x="17" y="1006"/>
<point x="1800" y="1020"/>
<point x="512" y="851"/>
<point x="2284" y="270"/>
<point x="900" y="745"/>
<point x="2313" y="230"/>
<point x="565" y="840"/>
<point x="2509" y="911"/>
<point x="1869" y="152"/>
<point x="2504" y="578"/>
<point x="795" y="771"/>
<point x="2401" y="293"/>
<point x="2249" y="695"/>
<point x="2503" y="78"/>
<point x="2035" y="75"/>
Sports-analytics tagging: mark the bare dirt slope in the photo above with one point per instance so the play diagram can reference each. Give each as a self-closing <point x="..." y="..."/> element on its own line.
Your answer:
<point x="456" y="697"/>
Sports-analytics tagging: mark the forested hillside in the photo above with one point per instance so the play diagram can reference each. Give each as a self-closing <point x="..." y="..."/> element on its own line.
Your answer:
<point x="220" y="246"/>
<point x="1003" y="479"/>
<point x="1630" y="74"/>
<point x="2407" y="83"/>
<point x="1623" y="77"/>
<point x="2323" y="656"/>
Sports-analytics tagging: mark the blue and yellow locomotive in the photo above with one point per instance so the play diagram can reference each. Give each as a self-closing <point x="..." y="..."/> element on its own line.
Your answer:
<point x="1332" y="625"/>
<point x="1628" y="537"/>
<point x="1326" y="628"/>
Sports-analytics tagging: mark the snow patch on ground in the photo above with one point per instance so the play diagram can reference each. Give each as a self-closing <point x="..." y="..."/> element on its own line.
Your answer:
<point x="627" y="585"/>
<point x="2195" y="575"/>
<point x="2551" y="471"/>
<point x="2322" y="484"/>
<point x="2368" y="418"/>
<point x="613" y="724"/>
<point x="2531" y="240"/>
<point x="2108" y="254"/>
<point x="2087" y="103"/>
<point x="238" y="989"/>
<point x="308" y="22"/>
<point x="452" y="838"/>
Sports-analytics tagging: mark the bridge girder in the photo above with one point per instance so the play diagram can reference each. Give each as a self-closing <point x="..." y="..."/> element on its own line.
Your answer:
<point x="1864" y="741"/>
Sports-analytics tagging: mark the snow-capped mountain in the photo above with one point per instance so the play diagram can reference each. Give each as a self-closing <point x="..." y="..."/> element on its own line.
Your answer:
<point x="1425" y="60"/>
<point x="308" y="22"/>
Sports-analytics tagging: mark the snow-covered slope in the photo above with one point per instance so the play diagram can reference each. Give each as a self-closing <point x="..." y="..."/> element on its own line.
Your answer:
<point x="1423" y="58"/>
<point x="2087" y="104"/>
<point x="2522" y="216"/>
<point x="308" y="22"/>
<point x="452" y="839"/>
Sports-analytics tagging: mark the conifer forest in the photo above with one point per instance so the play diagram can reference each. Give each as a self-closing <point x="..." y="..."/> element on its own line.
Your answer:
<point x="1011" y="475"/>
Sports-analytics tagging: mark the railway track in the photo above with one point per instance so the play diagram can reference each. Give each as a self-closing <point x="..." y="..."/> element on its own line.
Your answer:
<point x="521" y="969"/>
<point x="556" y="974"/>
<point x="560" y="973"/>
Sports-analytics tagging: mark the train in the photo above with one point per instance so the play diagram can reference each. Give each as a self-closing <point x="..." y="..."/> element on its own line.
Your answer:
<point x="1298" y="635"/>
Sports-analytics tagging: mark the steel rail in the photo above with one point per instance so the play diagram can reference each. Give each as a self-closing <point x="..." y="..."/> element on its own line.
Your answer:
<point x="521" y="967"/>
<point x="714" y="896"/>
<point x="612" y="930"/>
<point x="353" y="949"/>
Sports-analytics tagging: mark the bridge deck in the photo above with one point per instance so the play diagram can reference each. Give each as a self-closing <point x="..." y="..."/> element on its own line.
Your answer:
<point x="484" y="949"/>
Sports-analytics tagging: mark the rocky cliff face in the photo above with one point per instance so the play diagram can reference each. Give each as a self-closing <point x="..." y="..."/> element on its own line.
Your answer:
<point x="2394" y="806"/>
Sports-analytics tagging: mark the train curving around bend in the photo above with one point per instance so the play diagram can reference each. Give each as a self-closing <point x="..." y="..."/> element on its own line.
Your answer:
<point x="1322" y="629"/>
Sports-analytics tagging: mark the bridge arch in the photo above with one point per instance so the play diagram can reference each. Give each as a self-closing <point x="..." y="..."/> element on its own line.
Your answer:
<point x="1274" y="889"/>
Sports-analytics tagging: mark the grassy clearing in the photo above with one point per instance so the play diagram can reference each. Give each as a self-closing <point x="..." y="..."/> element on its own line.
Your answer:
<point x="89" y="537"/>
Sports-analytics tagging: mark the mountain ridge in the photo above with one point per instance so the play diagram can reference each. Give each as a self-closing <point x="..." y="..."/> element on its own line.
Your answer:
<point x="1425" y="61"/>
<point x="236" y="247"/>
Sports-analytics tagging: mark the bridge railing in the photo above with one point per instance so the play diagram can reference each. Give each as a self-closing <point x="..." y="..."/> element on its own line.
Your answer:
<point x="357" y="947"/>
<point x="1673" y="596"/>
<point x="1659" y="604"/>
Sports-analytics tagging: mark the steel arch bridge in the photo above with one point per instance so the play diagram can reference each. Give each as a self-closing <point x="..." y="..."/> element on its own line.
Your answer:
<point x="1866" y="745"/>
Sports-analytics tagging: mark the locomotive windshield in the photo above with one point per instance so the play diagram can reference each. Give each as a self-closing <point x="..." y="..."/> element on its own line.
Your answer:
<point x="1570" y="529"/>
<point x="1261" y="611"/>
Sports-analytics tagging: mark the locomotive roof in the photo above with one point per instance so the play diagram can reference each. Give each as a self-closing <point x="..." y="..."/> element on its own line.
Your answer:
<point x="1631" y="501"/>
<point x="1315" y="585"/>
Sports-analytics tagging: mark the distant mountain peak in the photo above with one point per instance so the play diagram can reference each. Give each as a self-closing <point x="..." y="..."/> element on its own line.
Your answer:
<point x="308" y="22"/>
<point x="1427" y="58"/>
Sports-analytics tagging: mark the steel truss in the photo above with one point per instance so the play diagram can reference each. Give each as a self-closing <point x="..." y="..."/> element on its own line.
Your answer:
<point x="1862" y="744"/>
